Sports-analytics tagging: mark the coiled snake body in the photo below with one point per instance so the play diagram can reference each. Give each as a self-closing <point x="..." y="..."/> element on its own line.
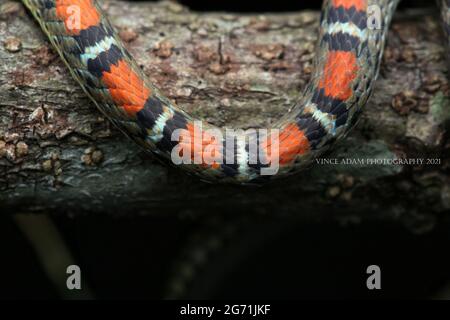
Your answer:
<point x="347" y="62"/>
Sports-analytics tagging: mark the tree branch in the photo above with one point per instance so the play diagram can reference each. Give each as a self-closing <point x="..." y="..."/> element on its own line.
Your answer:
<point x="57" y="153"/>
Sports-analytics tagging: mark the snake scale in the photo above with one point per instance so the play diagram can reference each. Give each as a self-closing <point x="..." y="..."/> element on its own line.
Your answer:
<point x="347" y="62"/>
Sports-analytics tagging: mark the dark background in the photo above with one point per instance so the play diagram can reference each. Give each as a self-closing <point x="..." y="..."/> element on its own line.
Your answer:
<point x="256" y="256"/>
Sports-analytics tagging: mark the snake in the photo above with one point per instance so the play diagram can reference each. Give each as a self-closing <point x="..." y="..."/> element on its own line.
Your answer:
<point x="351" y="39"/>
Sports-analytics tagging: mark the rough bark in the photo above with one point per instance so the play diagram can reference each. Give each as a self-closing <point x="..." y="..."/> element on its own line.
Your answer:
<point x="57" y="153"/>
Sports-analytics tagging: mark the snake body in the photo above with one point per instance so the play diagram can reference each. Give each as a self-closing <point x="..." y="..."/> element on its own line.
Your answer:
<point x="348" y="57"/>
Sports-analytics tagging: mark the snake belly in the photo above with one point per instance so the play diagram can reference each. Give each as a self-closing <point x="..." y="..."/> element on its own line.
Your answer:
<point x="347" y="63"/>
